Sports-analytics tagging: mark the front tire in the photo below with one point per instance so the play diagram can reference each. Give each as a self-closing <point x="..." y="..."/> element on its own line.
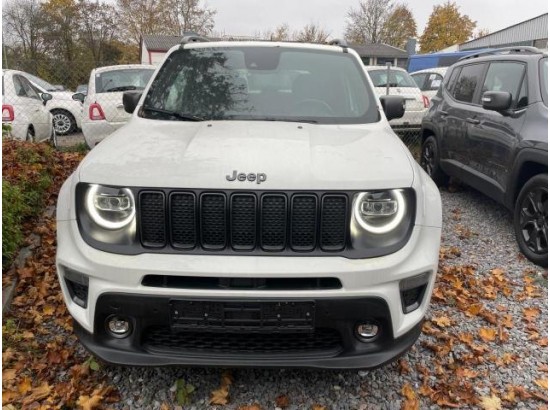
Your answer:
<point x="531" y="219"/>
<point x="429" y="161"/>
<point x="63" y="122"/>
<point x="30" y="135"/>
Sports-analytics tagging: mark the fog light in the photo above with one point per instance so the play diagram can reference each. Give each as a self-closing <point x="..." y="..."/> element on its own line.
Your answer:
<point x="119" y="327"/>
<point x="367" y="330"/>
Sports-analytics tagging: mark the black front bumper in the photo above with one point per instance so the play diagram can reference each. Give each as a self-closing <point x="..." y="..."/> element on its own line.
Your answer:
<point x="327" y="341"/>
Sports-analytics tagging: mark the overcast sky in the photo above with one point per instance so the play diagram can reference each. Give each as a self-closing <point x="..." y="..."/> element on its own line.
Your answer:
<point x="247" y="17"/>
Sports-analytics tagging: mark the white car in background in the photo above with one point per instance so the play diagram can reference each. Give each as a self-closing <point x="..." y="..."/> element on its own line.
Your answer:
<point x="400" y="83"/>
<point x="429" y="80"/>
<point x="24" y="110"/>
<point x="67" y="113"/>
<point x="103" y="109"/>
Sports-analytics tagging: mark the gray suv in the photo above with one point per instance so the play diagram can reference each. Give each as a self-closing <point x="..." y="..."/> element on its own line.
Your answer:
<point x="488" y="126"/>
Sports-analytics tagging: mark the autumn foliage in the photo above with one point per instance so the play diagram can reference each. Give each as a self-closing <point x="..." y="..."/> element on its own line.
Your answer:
<point x="446" y="27"/>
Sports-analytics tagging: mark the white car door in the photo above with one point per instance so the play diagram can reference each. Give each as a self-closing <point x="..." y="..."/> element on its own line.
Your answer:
<point x="35" y="110"/>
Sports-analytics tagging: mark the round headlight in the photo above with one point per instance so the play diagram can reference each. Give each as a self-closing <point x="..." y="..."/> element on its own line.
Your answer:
<point x="380" y="212"/>
<point x="110" y="208"/>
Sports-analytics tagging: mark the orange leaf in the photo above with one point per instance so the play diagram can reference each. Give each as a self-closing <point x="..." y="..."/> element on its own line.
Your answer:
<point x="9" y="396"/>
<point x="38" y="393"/>
<point x="282" y="401"/>
<point x="8" y="374"/>
<point x="542" y="383"/>
<point x="24" y="386"/>
<point x="491" y="403"/>
<point x="220" y="396"/>
<point x="474" y="309"/>
<point x="487" y="334"/>
<point x="470" y="374"/>
<point x="89" y="403"/>
<point x="442" y="321"/>
<point x="250" y="407"/>
<point x="543" y="342"/>
<point x="318" y="407"/>
<point x="531" y="313"/>
<point x="48" y="310"/>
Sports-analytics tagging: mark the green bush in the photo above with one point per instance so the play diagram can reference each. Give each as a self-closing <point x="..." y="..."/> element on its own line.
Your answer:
<point x="14" y="209"/>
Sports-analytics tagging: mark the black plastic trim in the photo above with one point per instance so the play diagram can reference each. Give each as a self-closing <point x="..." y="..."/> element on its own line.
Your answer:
<point x="340" y="314"/>
<point x="348" y="252"/>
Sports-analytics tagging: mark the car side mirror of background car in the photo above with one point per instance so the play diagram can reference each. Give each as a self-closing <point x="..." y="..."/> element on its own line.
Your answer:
<point x="45" y="97"/>
<point x="496" y="100"/>
<point x="130" y="100"/>
<point x="393" y="105"/>
<point x="79" y="97"/>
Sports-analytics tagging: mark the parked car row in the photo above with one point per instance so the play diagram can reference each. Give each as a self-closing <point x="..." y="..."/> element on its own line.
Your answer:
<point x="37" y="110"/>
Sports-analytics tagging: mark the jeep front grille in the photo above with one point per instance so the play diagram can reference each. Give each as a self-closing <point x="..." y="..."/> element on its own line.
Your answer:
<point x="266" y="222"/>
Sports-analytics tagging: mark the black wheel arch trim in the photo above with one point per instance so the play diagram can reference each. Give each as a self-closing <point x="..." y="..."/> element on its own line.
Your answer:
<point x="535" y="155"/>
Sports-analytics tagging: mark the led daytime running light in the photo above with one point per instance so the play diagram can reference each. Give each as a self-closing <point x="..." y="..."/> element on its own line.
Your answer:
<point x="388" y="227"/>
<point x="94" y="207"/>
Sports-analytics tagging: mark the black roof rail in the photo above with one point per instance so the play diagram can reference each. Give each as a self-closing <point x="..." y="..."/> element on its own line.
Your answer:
<point x="504" y="50"/>
<point x="193" y="38"/>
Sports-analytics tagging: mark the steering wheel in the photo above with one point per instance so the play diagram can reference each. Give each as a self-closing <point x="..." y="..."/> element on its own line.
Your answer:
<point x="309" y="105"/>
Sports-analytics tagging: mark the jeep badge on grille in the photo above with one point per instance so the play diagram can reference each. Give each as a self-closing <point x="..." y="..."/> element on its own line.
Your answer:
<point x="259" y="178"/>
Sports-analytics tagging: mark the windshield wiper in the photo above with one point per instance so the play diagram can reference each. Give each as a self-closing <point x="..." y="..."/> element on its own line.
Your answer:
<point x="121" y="88"/>
<point x="179" y="115"/>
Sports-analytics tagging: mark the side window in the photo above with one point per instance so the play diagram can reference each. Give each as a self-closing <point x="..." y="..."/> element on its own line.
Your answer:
<point x="506" y="76"/>
<point x="19" y="90"/>
<point x="419" y="79"/>
<point x="29" y="91"/>
<point x="523" y="99"/>
<point x="467" y="82"/>
<point x="434" y="81"/>
<point x="452" y="79"/>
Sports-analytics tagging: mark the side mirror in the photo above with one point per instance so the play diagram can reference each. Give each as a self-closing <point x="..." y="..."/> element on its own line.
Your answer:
<point x="45" y="97"/>
<point x="496" y="100"/>
<point x="79" y="97"/>
<point x="393" y="105"/>
<point x="130" y="100"/>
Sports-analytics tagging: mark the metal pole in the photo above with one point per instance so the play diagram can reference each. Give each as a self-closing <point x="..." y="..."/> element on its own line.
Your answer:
<point x="388" y="64"/>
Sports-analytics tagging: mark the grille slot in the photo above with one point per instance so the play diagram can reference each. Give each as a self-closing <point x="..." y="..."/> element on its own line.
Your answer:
<point x="274" y="222"/>
<point x="333" y="222"/>
<point x="153" y="219"/>
<point x="213" y="221"/>
<point x="196" y="221"/>
<point x="183" y="220"/>
<point x="303" y="230"/>
<point x="243" y="222"/>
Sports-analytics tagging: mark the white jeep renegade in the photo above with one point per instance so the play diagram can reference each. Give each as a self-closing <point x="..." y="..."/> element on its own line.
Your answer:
<point x="257" y="210"/>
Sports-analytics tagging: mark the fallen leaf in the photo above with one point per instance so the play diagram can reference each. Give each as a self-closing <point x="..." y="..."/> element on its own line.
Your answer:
<point x="474" y="309"/>
<point x="404" y="367"/>
<point x="543" y="383"/>
<point x="491" y="403"/>
<point x="24" y="386"/>
<point x="468" y="373"/>
<point x="8" y="374"/>
<point x="220" y="396"/>
<point x="530" y="314"/>
<point x="442" y="321"/>
<point x="38" y="393"/>
<point x="282" y="401"/>
<point x="318" y="407"/>
<point x="89" y="403"/>
<point x="250" y="407"/>
<point x="487" y="334"/>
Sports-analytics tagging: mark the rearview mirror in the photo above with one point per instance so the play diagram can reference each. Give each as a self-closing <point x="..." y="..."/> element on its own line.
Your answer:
<point x="130" y="100"/>
<point x="496" y="100"/>
<point x="79" y="97"/>
<point x="45" y="97"/>
<point x="393" y="105"/>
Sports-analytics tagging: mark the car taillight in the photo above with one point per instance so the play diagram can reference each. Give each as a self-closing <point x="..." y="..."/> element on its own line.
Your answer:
<point x="96" y="112"/>
<point x="7" y="113"/>
<point x="426" y="101"/>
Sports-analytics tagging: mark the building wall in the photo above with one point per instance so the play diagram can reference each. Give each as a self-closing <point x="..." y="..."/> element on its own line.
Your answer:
<point x="529" y="33"/>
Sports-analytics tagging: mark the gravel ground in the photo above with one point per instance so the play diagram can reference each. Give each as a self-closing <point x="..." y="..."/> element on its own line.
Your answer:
<point x="482" y="232"/>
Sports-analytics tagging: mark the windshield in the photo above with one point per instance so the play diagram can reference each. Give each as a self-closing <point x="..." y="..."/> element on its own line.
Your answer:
<point x="122" y="79"/>
<point x="261" y="83"/>
<point x="41" y="83"/>
<point x="544" y="79"/>
<point x="397" y="78"/>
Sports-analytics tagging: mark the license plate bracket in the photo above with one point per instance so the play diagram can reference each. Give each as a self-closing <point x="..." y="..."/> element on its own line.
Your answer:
<point x="250" y="316"/>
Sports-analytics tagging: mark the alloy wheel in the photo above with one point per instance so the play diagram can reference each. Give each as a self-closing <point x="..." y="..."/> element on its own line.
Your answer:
<point x="61" y="123"/>
<point x="533" y="220"/>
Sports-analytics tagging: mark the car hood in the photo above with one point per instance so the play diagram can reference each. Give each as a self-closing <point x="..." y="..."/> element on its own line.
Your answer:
<point x="172" y="154"/>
